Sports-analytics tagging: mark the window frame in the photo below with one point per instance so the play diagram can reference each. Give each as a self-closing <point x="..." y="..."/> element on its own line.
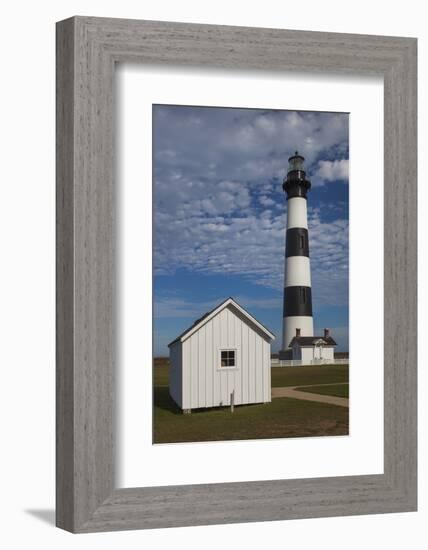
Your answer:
<point x="228" y="349"/>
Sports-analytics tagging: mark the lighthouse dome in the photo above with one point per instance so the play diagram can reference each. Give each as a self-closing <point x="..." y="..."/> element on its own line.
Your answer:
<point x="296" y="162"/>
<point x="295" y="183"/>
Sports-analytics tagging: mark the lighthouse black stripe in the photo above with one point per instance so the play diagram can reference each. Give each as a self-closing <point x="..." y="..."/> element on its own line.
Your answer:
<point x="297" y="301"/>
<point x="297" y="242"/>
<point x="296" y="190"/>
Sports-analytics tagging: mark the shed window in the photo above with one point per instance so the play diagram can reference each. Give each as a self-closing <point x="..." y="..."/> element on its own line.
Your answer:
<point x="228" y="358"/>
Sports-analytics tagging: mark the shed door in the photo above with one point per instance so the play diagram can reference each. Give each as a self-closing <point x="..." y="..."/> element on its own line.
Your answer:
<point x="228" y="366"/>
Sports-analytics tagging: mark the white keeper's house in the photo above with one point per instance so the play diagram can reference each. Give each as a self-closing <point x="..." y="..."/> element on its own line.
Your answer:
<point x="311" y="349"/>
<point x="223" y="356"/>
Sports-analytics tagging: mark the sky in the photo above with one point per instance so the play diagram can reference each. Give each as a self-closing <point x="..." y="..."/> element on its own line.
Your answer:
<point x="220" y="214"/>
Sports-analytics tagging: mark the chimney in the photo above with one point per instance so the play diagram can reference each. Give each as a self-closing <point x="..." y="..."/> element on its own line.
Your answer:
<point x="297" y="332"/>
<point x="326" y="332"/>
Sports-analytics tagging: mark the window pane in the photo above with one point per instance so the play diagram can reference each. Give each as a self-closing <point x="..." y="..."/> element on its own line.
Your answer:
<point x="228" y="358"/>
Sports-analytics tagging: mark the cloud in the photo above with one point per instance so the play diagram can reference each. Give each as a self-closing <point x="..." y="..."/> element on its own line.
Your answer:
<point x="252" y="246"/>
<point x="266" y="201"/>
<point x="336" y="170"/>
<point x="246" y="145"/>
<point x="170" y="307"/>
<point x="219" y="205"/>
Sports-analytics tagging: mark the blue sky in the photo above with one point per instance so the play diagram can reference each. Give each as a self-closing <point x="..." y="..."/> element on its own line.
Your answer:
<point x="220" y="214"/>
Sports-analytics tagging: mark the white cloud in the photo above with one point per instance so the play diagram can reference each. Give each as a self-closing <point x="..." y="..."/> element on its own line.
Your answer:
<point x="172" y="307"/>
<point x="242" y="144"/>
<point x="266" y="201"/>
<point x="219" y="208"/>
<point x="253" y="247"/>
<point x="336" y="170"/>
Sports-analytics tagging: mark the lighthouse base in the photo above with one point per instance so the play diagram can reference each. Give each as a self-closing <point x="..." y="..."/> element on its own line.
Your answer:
<point x="302" y="323"/>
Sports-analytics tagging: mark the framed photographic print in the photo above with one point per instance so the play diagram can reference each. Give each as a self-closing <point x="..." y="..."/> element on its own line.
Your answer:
<point x="236" y="282"/>
<point x="220" y="233"/>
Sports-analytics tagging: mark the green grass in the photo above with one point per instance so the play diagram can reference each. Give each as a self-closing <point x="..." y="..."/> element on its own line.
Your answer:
<point x="161" y="375"/>
<point x="282" y="417"/>
<point x="337" y="390"/>
<point x="281" y="376"/>
<point x="301" y="376"/>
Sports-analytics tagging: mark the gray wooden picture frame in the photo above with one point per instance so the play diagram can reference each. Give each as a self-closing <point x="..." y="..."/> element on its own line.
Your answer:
<point x="87" y="50"/>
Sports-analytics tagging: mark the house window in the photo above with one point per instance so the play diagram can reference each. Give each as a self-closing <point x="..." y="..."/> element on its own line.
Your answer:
<point x="302" y="241"/>
<point x="303" y="295"/>
<point x="228" y="358"/>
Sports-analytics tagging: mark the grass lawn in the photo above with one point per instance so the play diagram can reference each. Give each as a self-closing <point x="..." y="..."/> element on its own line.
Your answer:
<point x="161" y="375"/>
<point x="301" y="376"/>
<point x="338" y="390"/>
<point x="282" y="417"/>
<point x="281" y="376"/>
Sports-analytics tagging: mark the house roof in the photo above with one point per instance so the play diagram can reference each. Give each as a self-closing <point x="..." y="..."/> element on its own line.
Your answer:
<point x="313" y="340"/>
<point x="212" y="313"/>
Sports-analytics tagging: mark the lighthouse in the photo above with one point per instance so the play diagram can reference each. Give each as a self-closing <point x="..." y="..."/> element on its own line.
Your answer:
<point x="297" y="308"/>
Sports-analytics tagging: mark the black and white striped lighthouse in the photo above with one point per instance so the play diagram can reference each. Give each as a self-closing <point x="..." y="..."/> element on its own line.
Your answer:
<point x="297" y="311"/>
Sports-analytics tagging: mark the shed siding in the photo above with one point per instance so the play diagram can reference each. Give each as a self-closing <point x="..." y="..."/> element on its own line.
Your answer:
<point x="259" y="371"/>
<point x="216" y="344"/>
<point x="194" y="374"/>
<point x="205" y="383"/>
<point x="268" y="373"/>
<point x="238" y="374"/>
<point x="209" y="364"/>
<point x="245" y="381"/>
<point x="201" y="367"/>
<point x="186" y="378"/>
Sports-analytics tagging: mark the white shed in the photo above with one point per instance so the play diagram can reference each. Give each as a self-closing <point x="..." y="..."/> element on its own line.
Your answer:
<point x="225" y="352"/>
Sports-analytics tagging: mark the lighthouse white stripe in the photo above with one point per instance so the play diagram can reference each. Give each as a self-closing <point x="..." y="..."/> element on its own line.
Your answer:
<point x="297" y="271"/>
<point x="297" y="214"/>
<point x="305" y="324"/>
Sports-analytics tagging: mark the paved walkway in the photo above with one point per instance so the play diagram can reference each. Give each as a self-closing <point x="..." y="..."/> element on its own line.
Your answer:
<point x="290" y="391"/>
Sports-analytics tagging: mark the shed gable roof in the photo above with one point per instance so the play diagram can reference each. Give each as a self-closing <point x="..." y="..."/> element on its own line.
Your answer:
<point x="215" y="311"/>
